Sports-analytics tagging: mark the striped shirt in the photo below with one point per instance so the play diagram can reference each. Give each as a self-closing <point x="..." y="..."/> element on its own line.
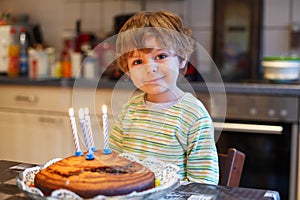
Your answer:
<point x="181" y="133"/>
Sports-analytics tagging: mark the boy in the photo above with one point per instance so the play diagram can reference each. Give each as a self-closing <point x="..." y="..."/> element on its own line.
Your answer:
<point x="163" y="122"/>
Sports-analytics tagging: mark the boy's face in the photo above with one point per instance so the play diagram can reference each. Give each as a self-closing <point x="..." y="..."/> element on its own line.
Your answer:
<point x="154" y="70"/>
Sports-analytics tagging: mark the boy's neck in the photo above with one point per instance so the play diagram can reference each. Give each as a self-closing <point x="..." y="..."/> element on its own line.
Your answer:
<point x="164" y="97"/>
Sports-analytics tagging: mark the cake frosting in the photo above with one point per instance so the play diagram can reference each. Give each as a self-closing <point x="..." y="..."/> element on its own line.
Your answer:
<point x="106" y="174"/>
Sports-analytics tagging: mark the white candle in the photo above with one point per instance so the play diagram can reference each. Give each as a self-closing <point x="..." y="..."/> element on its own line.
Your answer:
<point x="89" y="128"/>
<point x="74" y="132"/>
<point x="106" y="149"/>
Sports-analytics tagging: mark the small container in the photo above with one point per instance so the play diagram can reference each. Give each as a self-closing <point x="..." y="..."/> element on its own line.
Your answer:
<point x="50" y="51"/>
<point x="38" y="64"/>
<point x="281" y="69"/>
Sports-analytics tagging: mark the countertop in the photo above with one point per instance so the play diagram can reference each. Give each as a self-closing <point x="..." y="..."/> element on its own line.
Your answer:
<point x="253" y="88"/>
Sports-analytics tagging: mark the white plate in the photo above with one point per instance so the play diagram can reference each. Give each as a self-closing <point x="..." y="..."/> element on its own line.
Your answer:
<point x="165" y="173"/>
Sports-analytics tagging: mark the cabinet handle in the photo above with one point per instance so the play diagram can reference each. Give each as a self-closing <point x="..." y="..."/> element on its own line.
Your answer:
<point x="50" y="120"/>
<point x="27" y="98"/>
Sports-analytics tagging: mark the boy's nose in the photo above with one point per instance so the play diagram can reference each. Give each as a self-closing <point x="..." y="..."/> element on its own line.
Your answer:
<point x="152" y="67"/>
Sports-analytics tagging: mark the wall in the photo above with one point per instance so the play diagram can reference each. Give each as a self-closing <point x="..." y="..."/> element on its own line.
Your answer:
<point x="278" y="17"/>
<point x="58" y="16"/>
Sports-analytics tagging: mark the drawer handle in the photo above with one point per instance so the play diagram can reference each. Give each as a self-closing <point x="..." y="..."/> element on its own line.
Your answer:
<point x="50" y="120"/>
<point x="249" y="128"/>
<point x="29" y="98"/>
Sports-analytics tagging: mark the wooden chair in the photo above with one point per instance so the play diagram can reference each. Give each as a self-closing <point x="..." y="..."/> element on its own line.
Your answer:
<point x="231" y="167"/>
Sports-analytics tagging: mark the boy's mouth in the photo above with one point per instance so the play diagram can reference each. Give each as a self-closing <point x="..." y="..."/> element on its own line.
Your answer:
<point x="155" y="80"/>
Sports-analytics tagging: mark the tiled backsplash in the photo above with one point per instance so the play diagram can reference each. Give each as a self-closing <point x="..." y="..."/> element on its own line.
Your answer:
<point x="56" y="16"/>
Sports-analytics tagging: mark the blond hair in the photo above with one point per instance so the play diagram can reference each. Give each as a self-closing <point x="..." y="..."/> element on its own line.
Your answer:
<point x="165" y="26"/>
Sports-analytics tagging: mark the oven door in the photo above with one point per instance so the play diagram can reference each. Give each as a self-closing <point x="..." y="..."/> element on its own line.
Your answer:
<point x="271" y="153"/>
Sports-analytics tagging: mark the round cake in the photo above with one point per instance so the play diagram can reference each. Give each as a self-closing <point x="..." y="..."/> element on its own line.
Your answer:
<point x="107" y="174"/>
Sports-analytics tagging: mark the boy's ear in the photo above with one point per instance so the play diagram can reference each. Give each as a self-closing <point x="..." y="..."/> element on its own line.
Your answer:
<point x="182" y="63"/>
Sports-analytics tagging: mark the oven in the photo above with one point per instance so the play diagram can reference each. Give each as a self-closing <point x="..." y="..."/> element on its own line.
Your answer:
<point x="266" y="129"/>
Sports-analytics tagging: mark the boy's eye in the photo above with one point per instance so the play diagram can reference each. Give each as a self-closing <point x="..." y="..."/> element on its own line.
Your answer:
<point x="137" y="62"/>
<point x="161" y="56"/>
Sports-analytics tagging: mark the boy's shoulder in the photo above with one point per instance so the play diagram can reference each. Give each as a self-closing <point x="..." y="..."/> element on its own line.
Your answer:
<point x="192" y="104"/>
<point x="189" y="98"/>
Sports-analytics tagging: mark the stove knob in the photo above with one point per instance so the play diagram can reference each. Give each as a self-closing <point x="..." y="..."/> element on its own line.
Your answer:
<point x="271" y="112"/>
<point x="283" y="113"/>
<point x="253" y="111"/>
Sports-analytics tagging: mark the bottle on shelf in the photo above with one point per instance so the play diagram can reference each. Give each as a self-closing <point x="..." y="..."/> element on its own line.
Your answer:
<point x="68" y="49"/>
<point x="13" y="55"/>
<point x="90" y="66"/>
<point x="23" y="41"/>
<point x="66" y="66"/>
<point x="50" y="51"/>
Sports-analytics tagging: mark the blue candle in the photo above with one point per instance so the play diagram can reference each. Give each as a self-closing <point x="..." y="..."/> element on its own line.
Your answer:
<point x="89" y="128"/>
<point x="90" y="154"/>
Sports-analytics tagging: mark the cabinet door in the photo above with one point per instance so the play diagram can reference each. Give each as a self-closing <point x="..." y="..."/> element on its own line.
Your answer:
<point x="237" y="38"/>
<point x="34" y="138"/>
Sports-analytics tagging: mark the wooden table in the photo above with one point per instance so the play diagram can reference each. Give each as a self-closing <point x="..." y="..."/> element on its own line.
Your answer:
<point x="187" y="191"/>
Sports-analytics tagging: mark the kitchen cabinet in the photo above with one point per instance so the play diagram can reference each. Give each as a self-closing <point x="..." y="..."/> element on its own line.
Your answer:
<point x="237" y="31"/>
<point x="34" y="123"/>
<point x="35" y="138"/>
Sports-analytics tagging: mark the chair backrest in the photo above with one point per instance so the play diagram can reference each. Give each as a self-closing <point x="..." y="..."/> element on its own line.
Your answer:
<point x="231" y="167"/>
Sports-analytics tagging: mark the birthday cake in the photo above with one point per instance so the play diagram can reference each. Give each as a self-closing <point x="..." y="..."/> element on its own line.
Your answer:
<point x="106" y="174"/>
